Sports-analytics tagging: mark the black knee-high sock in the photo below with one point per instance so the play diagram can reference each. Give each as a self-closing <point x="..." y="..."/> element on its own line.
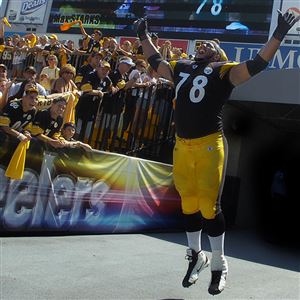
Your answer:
<point x="216" y="226"/>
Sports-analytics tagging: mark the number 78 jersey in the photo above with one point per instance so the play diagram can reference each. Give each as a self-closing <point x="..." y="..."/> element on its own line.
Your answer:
<point x="200" y="91"/>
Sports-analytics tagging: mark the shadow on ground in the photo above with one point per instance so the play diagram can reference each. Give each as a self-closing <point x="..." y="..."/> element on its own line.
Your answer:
<point x="247" y="245"/>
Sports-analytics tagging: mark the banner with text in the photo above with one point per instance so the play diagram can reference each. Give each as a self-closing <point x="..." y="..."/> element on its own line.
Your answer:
<point x="286" y="57"/>
<point x="93" y="192"/>
<point x="26" y="11"/>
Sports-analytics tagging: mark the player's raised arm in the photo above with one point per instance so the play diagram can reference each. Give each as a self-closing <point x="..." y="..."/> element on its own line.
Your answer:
<point x="161" y="66"/>
<point x="246" y="70"/>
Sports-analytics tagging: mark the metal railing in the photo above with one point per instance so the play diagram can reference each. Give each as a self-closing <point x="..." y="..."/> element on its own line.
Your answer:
<point x="143" y="127"/>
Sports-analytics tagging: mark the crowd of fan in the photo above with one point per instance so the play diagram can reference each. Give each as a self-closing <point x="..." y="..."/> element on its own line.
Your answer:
<point x="52" y="90"/>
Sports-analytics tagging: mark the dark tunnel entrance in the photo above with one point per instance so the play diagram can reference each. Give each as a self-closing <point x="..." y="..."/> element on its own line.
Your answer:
<point x="269" y="161"/>
<point x="278" y="186"/>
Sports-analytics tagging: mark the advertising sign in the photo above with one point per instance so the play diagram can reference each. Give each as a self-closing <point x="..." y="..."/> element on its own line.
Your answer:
<point x="94" y="192"/>
<point x="283" y="6"/>
<point x="26" y="11"/>
<point x="286" y="57"/>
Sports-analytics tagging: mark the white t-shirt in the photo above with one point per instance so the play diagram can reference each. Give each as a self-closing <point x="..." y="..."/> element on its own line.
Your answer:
<point x="135" y="74"/>
<point x="19" y="55"/>
<point x="40" y="58"/>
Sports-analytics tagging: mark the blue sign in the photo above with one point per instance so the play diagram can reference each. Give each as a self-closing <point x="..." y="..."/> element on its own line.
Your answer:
<point x="287" y="57"/>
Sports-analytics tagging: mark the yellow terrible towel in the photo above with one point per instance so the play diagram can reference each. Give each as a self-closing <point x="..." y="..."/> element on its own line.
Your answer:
<point x="69" y="114"/>
<point x="66" y="26"/>
<point x="15" y="169"/>
<point x="5" y="21"/>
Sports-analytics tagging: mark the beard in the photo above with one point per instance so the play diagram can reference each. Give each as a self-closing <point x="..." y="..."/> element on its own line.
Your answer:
<point x="204" y="60"/>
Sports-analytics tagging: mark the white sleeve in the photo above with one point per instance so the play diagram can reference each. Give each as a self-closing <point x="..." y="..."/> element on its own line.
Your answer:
<point x="42" y="90"/>
<point x="14" y="89"/>
<point x="133" y="73"/>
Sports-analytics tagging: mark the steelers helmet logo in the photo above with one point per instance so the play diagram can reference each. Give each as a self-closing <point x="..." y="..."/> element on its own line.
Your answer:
<point x="28" y="117"/>
<point x="208" y="70"/>
<point x="55" y="125"/>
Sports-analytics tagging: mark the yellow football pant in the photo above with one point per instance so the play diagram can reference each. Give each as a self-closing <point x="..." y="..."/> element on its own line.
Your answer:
<point x="198" y="173"/>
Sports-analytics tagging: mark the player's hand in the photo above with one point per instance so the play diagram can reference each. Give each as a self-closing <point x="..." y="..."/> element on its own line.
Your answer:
<point x="141" y="28"/>
<point x="76" y="93"/>
<point x="100" y="94"/>
<point x="86" y="147"/>
<point x="57" y="143"/>
<point x="28" y="135"/>
<point x="284" y="24"/>
<point x="23" y="137"/>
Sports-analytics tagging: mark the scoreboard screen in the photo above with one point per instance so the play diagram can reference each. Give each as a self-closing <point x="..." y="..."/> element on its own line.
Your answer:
<point x="228" y="20"/>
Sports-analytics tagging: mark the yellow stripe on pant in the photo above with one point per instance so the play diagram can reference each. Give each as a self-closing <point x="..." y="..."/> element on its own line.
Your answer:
<point x="198" y="173"/>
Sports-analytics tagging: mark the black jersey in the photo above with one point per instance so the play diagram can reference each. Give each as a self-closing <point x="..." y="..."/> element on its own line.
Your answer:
<point x="45" y="124"/>
<point x="114" y="103"/>
<point x="83" y="73"/>
<point x="88" y="105"/>
<point x="7" y="56"/>
<point x="53" y="49"/>
<point x="14" y="117"/>
<point x="92" y="80"/>
<point x="201" y="90"/>
<point x="94" y="46"/>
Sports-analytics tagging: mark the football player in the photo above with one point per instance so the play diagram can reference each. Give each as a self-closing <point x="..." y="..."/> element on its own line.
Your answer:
<point x="201" y="87"/>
